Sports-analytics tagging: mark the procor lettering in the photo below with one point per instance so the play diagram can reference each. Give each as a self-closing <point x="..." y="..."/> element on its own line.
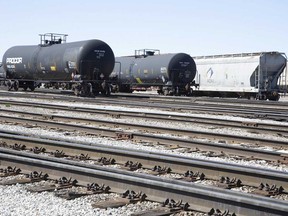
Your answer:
<point x="16" y="60"/>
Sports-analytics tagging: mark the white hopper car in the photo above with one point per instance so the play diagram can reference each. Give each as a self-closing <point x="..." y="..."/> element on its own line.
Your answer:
<point x="252" y="75"/>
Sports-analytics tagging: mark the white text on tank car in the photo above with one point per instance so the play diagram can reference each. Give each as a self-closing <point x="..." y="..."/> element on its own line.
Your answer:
<point x="17" y="60"/>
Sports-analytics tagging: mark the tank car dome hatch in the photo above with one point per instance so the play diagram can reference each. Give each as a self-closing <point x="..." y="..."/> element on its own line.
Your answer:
<point x="52" y="38"/>
<point x="150" y="53"/>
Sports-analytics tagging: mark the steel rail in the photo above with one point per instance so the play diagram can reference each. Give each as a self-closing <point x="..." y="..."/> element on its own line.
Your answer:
<point x="200" y="197"/>
<point x="274" y="104"/>
<point x="251" y="176"/>
<point x="204" y="99"/>
<point x="68" y="95"/>
<point x="280" y="115"/>
<point x="129" y="126"/>
<point x="268" y="105"/>
<point x="194" y="145"/>
<point x="191" y="145"/>
<point x="252" y="126"/>
<point x="201" y="145"/>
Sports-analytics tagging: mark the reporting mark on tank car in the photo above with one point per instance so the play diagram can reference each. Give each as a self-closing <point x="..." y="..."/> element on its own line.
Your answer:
<point x="15" y="60"/>
<point x="99" y="53"/>
<point x="184" y="64"/>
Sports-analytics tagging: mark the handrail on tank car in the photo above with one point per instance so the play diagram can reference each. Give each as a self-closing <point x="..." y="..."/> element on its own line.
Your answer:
<point x="146" y="52"/>
<point x="52" y="38"/>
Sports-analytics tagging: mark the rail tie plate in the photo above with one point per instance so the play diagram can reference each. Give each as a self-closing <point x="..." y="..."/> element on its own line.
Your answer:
<point x="190" y="176"/>
<point x="127" y="198"/>
<point x="158" y="170"/>
<point x="169" y="206"/>
<point x="9" y="171"/>
<point x="62" y="183"/>
<point x="267" y="190"/>
<point x="227" y="183"/>
<point x="284" y="159"/>
<point x="132" y="166"/>
<point x="124" y="136"/>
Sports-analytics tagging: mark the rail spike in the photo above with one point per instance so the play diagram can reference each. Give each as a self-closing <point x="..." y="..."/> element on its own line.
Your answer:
<point x="94" y="187"/>
<point x="65" y="181"/>
<point x="10" y="170"/>
<point x="133" y="166"/>
<point x="18" y="147"/>
<point x="37" y="150"/>
<point x="218" y="212"/>
<point x="35" y="175"/>
<point x="132" y="195"/>
<point x="172" y="204"/>
<point x="162" y="170"/>
<point x="106" y="161"/>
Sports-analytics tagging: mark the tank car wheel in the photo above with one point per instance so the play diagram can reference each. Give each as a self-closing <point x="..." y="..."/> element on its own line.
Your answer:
<point x="160" y="92"/>
<point x="277" y="97"/>
<point x="76" y="92"/>
<point x="106" y="92"/>
<point x="189" y="93"/>
<point x="16" y="85"/>
<point x="25" y="88"/>
<point x="9" y="85"/>
<point x="274" y="98"/>
<point x="251" y="97"/>
<point x="80" y="92"/>
<point x="166" y="92"/>
<point x="83" y="90"/>
<point x="32" y="88"/>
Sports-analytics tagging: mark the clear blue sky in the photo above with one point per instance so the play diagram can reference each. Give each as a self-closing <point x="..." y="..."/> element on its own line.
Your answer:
<point x="196" y="27"/>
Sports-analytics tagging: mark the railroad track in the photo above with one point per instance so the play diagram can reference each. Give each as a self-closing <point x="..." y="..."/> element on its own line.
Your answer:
<point x="67" y="95"/>
<point x="104" y="127"/>
<point x="199" y="197"/>
<point x="214" y="148"/>
<point x="279" y="114"/>
<point x="178" y="164"/>
<point x="216" y="122"/>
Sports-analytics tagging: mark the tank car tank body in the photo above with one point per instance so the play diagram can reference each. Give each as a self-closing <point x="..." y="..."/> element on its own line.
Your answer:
<point x="172" y="74"/>
<point x="83" y="66"/>
<point x="252" y="75"/>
